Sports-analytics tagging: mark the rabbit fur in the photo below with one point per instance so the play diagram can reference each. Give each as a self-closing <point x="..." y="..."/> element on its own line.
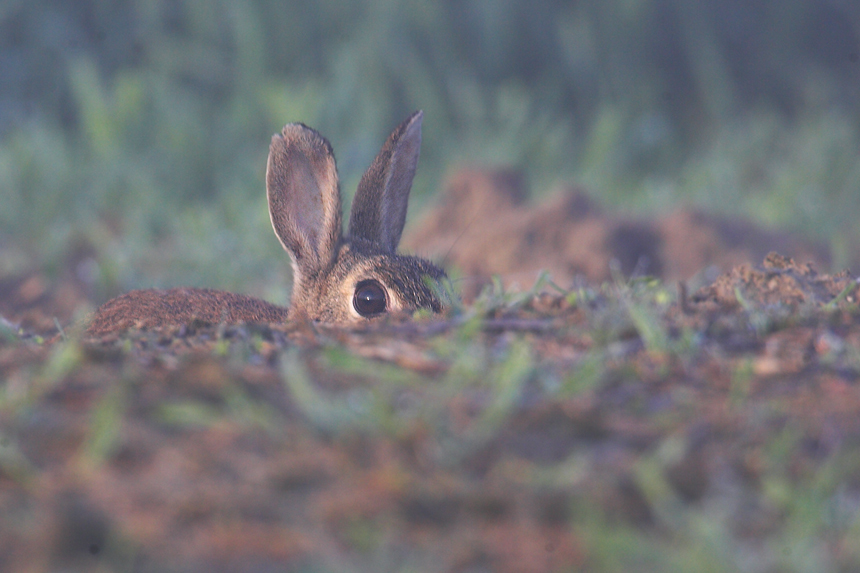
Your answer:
<point x="336" y="278"/>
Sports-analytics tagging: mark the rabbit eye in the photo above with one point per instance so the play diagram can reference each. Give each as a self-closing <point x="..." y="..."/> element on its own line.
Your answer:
<point x="369" y="298"/>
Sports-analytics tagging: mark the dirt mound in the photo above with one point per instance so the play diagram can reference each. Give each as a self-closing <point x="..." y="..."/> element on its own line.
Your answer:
<point x="484" y="226"/>
<point x="779" y="281"/>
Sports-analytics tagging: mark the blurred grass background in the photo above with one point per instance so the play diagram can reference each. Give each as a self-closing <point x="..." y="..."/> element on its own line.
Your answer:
<point x="141" y="127"/>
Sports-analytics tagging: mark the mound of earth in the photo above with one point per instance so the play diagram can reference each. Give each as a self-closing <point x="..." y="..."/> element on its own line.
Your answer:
<point x="484" y="226"/>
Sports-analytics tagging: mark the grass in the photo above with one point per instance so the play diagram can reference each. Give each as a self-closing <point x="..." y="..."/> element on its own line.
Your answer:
<point x="154" y="158"/>
<point x="137" y="135"/>
<point x="645" y="438"/>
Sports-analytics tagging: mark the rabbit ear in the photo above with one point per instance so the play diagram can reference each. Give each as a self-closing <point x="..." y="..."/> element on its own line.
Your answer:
<point x="379" y="207"/>
<point x="304" y="199"/>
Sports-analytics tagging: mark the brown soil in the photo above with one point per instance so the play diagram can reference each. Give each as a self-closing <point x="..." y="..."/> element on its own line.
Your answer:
<point x="484" y="225"/>
<point x="269" y="448"/>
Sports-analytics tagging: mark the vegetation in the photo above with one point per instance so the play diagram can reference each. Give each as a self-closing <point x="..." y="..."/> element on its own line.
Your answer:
<point x="615" y="427"/>
<point x="602" y="429"/>
<point x="140" y="128"/>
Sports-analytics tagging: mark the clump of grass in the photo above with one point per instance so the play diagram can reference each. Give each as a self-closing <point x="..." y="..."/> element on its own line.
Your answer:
<point x="105" y="426"/>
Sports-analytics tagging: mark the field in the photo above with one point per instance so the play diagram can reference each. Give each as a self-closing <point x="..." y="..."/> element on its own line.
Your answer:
<point x="627" y="378"/>
<point x="624" y="427"/>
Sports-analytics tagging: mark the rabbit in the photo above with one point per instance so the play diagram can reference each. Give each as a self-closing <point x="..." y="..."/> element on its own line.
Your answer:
<point x="336" y="279"/>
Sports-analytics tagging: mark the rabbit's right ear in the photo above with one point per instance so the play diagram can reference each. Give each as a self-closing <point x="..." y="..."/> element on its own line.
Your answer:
<point x="304" y="198"/>
<point x="379" y="206"/>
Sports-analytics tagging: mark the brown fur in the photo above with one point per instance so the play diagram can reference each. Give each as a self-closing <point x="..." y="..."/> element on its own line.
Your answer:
<point x="305" y="209"/>
<point x="152" y="308"/>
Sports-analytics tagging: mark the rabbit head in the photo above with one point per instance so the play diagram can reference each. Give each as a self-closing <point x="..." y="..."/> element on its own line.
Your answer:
<point x="337" y="278"/>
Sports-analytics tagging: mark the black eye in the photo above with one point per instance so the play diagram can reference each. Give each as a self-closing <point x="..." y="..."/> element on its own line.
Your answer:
<point x="369" y="298"/>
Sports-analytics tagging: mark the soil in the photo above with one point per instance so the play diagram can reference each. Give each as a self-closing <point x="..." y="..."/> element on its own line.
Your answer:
<point x="485" y="225"/>
<point x="289" y="447"/>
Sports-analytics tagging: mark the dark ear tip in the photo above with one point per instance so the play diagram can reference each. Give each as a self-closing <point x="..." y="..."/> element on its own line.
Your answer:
<point x="291" y="132"/>
<point x="277" y="140"/>
<point x="411" y="124"/>
<point x="299" y="134"/>
<point x="293" y="129"/>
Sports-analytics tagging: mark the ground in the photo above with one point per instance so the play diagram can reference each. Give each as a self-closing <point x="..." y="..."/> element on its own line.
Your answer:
<point x="626" y="425"/>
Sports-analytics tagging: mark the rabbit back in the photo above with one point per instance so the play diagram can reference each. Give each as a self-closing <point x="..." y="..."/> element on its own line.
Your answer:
<point x="154" y="308"/>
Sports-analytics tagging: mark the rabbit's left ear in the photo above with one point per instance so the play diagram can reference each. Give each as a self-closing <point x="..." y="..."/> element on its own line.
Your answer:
<point x="379" y="207"/>
<point x="304" y="198"/>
